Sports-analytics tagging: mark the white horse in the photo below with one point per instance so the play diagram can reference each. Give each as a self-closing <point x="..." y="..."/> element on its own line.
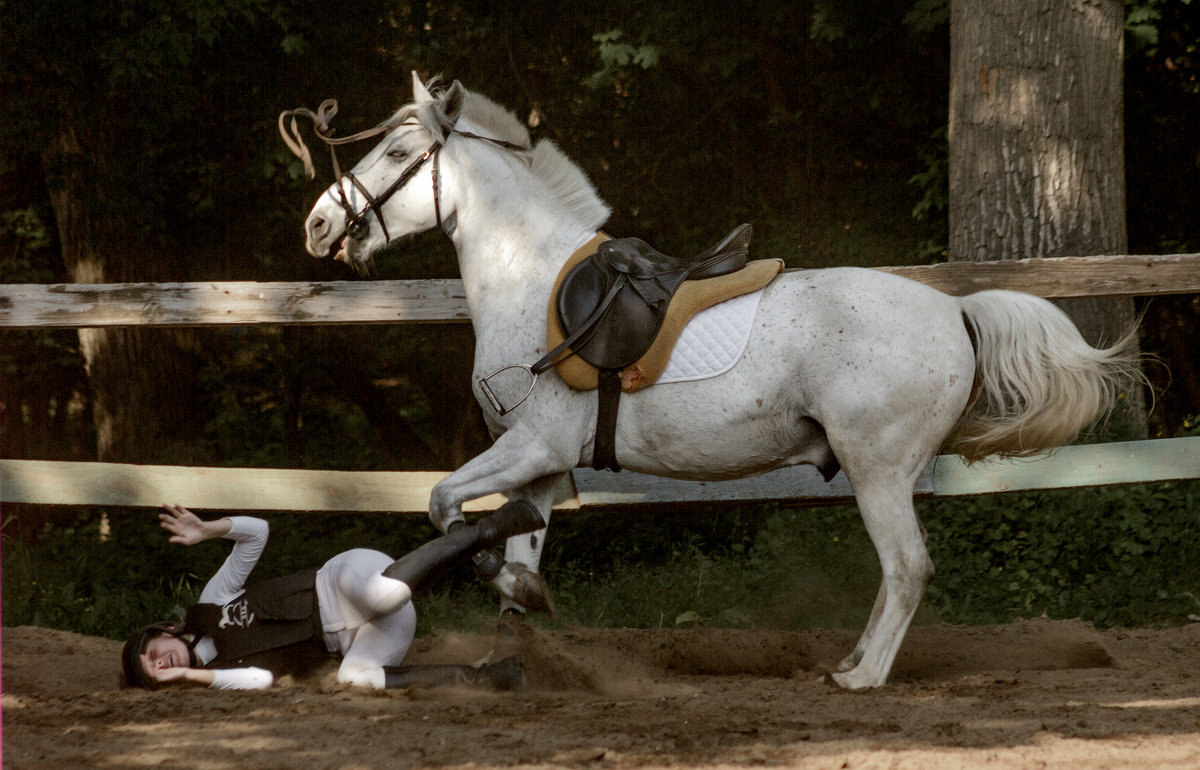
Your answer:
<point x="844" y="365"/>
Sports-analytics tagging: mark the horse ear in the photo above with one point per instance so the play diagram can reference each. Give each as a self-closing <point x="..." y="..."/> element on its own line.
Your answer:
<point x="420" y="92"/>
<point x="452" y="102"/>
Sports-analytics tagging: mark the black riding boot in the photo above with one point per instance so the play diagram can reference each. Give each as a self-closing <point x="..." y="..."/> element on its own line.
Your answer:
<point x="507" y="675"/>
<point x="430" y="561"/>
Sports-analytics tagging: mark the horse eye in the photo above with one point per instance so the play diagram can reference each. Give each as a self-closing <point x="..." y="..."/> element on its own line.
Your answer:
<point x="397" y="153"/>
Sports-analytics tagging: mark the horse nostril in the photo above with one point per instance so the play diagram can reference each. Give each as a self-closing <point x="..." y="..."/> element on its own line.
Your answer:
<point x="318" y="226"/>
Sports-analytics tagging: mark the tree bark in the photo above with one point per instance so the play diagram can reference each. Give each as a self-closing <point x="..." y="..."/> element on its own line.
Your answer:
<point x="1037" y="144"/>
<point x="142" y="381"/>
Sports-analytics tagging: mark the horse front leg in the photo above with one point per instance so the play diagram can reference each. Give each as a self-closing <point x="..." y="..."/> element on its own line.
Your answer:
<point x="526" y="550"/>
<point x="516" y="575"/>
<point x="523" y="467"/>
<point x="517" y="458"/>
<point x="519" y="582"/>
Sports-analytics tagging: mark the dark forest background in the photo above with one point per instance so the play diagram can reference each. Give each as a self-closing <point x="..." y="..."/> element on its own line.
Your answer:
<point x="139" y="144"/>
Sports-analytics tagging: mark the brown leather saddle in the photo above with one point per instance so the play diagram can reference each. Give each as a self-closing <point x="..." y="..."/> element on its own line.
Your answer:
<point x="609" y="308"/>
<point x="692" y="297"/>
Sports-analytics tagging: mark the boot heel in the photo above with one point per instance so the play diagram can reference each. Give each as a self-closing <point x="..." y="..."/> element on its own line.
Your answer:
<point x="507" y="675"/>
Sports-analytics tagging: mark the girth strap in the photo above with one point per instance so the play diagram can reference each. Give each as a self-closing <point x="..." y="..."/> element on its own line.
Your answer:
<point x="604" y="446"/>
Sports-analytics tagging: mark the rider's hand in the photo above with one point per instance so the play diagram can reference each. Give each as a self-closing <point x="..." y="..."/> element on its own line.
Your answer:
<point x="165" y="674"/>
<point x="187" y="528"/>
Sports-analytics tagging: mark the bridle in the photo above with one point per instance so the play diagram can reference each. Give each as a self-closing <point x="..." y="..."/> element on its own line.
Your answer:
<point x="357" y="225"/>
<point x="356" y="221"/>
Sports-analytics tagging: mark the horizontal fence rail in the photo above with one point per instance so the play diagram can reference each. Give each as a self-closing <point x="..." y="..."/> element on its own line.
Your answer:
<point x="66" y="305"/>
<point x="31" y="306"/>
<point x="273" y="489"/>
<point x="239" y="303"/>
<point x="1065" y="277"/>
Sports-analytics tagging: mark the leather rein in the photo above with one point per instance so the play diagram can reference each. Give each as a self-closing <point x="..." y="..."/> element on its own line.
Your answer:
<point x="357" y="225"/>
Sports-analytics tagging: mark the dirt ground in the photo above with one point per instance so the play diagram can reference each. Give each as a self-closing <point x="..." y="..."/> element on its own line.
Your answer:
<point x="1033" y="694"/>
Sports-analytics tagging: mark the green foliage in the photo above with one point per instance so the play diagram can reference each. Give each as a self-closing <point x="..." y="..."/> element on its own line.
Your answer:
<point x="1120" y="556"/>
<point x="1162" y="98"/>
<point x="76" y="580"/>
<point x="928" y="15"/>
<point x="933" y="182"/>
<point x="1144" y="21"/>
<point x="616" y="53"/>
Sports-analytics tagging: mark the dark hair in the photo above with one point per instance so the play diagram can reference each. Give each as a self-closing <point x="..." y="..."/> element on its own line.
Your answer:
<point x="133" y="674"/>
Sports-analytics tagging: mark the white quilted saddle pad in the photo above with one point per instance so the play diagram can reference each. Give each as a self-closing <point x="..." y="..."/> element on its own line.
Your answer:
<point x="713" y="341"/>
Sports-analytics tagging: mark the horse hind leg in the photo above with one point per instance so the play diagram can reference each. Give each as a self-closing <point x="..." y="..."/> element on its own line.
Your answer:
<point x="853" y="659"/>
<point x="891" y="522"/>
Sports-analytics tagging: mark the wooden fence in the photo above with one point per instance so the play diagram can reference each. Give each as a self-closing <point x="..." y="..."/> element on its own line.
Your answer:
<point x="26" y="306"/>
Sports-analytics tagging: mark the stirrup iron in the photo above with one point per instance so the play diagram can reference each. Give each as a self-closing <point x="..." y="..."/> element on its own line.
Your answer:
<point x="494" y="400"/>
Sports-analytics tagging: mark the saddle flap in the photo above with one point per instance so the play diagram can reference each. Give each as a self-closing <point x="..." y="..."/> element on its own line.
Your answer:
<point x="623" y="331"/>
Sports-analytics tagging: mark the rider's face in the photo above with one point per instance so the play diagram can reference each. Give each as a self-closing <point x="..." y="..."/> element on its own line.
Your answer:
<point x="166" y="651"/>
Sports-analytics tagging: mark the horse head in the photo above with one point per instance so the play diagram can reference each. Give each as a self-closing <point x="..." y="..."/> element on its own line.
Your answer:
<point x="397" y="189"/>
<point x="432" y="152"/>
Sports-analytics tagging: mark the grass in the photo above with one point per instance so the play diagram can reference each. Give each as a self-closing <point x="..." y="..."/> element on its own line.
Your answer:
<point x="1121" y="556"/>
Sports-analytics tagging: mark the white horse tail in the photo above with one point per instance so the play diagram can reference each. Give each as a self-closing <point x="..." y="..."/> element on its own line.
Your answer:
<point x="1039" y="383"/>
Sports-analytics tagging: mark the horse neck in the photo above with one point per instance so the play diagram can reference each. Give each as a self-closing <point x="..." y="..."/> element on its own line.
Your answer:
<point x="508" y="273"/>
<point x="511" y="245"/>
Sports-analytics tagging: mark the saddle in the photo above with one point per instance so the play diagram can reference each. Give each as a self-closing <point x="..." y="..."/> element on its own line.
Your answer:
<point x="619" y="310"/>
<point x="619" y="297"/>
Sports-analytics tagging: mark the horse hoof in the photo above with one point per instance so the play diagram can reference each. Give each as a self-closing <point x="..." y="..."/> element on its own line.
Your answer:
<point x="520" y="585"/>
<point x="510" y="624"/>
<point x="509" y="634"/>
<point x="854" y="680"/>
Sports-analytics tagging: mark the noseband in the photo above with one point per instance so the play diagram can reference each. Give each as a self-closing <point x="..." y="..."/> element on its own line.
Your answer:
<point x="357" y="225"/>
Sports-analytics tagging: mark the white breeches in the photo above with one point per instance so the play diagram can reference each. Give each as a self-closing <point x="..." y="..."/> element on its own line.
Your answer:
<point x="349" y="591"/>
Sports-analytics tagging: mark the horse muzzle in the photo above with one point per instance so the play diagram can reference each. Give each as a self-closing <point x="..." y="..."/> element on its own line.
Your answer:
<point x="324" y="231"/>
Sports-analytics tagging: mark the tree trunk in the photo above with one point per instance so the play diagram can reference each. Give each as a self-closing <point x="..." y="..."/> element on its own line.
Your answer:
<point x="1037" y="144"/>
<point x="142" y="381"/>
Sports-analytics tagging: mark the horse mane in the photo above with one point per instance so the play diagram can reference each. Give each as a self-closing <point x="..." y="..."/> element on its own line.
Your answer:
<point x="565" y="181"/>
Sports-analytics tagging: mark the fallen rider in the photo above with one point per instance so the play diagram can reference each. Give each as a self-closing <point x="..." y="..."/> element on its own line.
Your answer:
<point x="245" y="637"/>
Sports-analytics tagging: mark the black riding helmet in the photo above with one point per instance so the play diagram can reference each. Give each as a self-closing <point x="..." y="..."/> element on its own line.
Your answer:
<point x="133" y="674"/>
